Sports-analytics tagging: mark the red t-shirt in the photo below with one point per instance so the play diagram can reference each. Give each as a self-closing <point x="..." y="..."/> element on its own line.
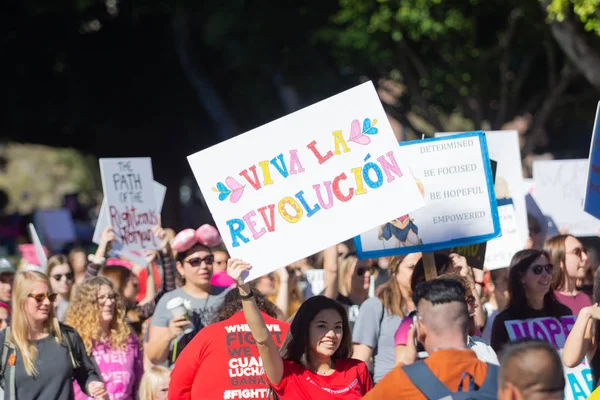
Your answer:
<point x="351" y="380"/>
<point x="143" y="276"/>
<point x="222" y="362"/>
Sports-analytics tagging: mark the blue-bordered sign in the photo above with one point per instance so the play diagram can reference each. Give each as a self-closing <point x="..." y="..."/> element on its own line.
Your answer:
<point x="455" y="176"/>
<point x="592" y="192"/>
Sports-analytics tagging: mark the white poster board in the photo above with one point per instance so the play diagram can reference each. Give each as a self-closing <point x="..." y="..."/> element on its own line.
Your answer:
<point x="504" y="147"/>
<point x="39" y="249"/>
<point x="103" y="218"/>
<point x="129" y="195"/>
<point x="559" y="191"/>
<point x="500" y="251"/>
<point x="455" y="176"/>
<point x="579" y="380"/>
<point x="306" y="181"/>
<point x="592" y="193"/>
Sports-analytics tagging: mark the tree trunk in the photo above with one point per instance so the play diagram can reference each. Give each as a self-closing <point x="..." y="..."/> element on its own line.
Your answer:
<point x="206" y="93"/>
<point x="574" y="44"/>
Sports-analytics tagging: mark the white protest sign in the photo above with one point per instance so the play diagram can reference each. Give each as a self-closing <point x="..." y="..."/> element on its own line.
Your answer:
<point x="559" y="191"/>
<point x="129" y="195"/>
<point x="39" y="249"/>
<point x="592" y="193"/>
<point x="306" y="181"/>
<point x="500" y="251"/>
<point x="579" y="380"/>
<point x="316" y="280"/>
<point x="455" y="176"/>
<point x="103" y="217"/>
<point x="504" y="147"/>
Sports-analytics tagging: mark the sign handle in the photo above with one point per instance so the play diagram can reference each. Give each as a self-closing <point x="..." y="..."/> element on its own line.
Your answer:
<point x="429" y="265"/>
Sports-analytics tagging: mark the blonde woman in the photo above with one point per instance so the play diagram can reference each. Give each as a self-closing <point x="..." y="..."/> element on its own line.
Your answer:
<point x="155" y="384"/>
<point x="43" y="357"/>
<point x="98" y="314"/>
<point x="61" y="279"/>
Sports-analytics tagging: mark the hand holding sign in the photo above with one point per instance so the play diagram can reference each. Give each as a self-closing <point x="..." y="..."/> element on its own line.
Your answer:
<point x="238" y="270"/>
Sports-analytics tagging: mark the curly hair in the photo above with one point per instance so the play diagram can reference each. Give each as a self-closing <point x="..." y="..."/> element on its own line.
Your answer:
<point x="84" y="315"/>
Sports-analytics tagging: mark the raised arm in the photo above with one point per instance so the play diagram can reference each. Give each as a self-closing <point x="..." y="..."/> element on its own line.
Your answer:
<point x="330" y="265"/>
<point x="97" y="260"/>
<point x="579" y="342"/>
<point x="272" y="362"/>
<point x="283" y="294"/>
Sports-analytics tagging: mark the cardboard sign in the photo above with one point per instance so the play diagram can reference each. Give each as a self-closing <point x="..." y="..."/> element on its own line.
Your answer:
<point x="103" y="218"/>
<point x="591" y="203"/>
<point x="504" y="147"/>
<point x="306" y="181"/>
<point x="559" y="191"/>
<point x="474" y="253"/>
<point x="579" y="379"/>
<point x="455" y="176"/>
<point x="500" y="251"/>
<point x="129" y="195"/>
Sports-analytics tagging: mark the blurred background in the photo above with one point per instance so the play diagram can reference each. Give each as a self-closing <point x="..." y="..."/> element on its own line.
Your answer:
<point x="84" y="79"/>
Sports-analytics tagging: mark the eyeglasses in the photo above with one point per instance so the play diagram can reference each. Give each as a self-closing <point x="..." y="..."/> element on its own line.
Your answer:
<point x="197" y="261"/>
<point x="360" y="271"/>
<point x="538" y="269"/>
<point x="104" y="298"/>
<point x="58" y="277"/>
<point x="39" y="297"/>
<point x="578" y="251"/>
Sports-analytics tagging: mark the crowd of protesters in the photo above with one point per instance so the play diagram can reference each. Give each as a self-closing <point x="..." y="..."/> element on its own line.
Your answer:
<point x="187" y="326"/>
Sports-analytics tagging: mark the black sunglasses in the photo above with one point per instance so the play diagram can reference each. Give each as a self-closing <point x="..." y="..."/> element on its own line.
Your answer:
<point x="538" y="269"/>
<point x="58" y="277"/>
<point x="197" y="261"/>
<point x="39" y="297"/>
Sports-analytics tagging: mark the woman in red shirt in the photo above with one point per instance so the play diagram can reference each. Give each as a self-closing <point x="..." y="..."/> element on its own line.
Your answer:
<point x="314" y="363"/>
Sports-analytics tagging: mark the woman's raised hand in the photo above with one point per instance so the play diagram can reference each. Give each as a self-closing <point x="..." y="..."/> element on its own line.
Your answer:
<point x="237" y="269"/>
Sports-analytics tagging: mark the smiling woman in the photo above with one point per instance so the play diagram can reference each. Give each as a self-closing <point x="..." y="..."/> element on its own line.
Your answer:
<point x="44" y="356"/>
<point x="314" y="363"/>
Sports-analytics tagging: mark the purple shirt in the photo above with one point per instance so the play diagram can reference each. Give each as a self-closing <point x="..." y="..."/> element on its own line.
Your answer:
<point x="120" y="369"/>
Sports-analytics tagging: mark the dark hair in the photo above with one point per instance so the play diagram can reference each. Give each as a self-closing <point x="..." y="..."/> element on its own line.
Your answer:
<point x="443" y="265"/>
<point x="515" y="352"/>
<point x="232" y="303"/>
<point x="440" y="291"/>
<point x="183" y="254"/>
<point x="519" y="264"/>
<point x="295" y="346"/>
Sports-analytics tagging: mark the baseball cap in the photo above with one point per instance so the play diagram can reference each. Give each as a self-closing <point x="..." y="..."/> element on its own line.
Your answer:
<point x="6" y="266"/>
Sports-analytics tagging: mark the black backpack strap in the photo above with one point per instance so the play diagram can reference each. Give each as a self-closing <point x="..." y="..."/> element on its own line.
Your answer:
<point x="421" y="376"/>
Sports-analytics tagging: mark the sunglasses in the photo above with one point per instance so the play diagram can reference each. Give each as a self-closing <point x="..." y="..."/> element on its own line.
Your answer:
<point x="360" y="271"/>
<point x="579" y="251"/>
<point x="58" y="277"/>
<point x="535" y="229"/>
<point x="39" y="297"/>
<point x="3" y="320"/>
<point x="538" y="269"/>
<point x="197" y="261"/>
<point x="7" y="278"/>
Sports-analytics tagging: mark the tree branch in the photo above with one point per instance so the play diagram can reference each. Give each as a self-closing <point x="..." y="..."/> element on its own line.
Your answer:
<point x="206" y="93"/>
<point x="575" y="45"/>
<point x="505" y="74"/>
<point x="536" y="134"/>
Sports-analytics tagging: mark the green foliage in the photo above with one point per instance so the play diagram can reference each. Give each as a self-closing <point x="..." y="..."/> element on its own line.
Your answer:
<point x="587" y="10"/>
<point x="39" y="176"/>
